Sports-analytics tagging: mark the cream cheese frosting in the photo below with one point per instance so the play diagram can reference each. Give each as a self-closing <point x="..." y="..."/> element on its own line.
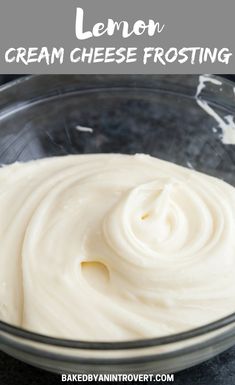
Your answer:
<point x="111" y="247"/>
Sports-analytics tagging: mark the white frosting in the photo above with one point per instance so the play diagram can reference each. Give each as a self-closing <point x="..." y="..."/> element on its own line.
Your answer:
<point x="114" y="247"/>
<point x="84" y="129"/>
<point x="225" y="123"/>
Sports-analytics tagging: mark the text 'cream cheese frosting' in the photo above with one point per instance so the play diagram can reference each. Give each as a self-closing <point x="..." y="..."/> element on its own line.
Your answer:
<point x="112" y="247"/>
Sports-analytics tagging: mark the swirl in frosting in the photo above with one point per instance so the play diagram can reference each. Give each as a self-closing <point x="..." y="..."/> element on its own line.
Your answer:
<point x="114" y="247"/>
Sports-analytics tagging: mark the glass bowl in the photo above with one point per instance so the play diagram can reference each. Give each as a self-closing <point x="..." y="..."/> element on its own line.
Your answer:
<point x="158" y="115"/>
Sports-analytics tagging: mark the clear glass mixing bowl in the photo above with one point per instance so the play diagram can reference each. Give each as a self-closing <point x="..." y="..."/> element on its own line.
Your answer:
<point x="157" y="115"/>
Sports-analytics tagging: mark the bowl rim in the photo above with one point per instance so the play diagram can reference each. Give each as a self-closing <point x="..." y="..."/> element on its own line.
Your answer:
<point x="115" y="345"/>
<point x="25" y="78"/>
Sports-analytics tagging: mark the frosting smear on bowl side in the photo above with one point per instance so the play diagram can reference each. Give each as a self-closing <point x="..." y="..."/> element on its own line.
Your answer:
<point x="112" y="247"/>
